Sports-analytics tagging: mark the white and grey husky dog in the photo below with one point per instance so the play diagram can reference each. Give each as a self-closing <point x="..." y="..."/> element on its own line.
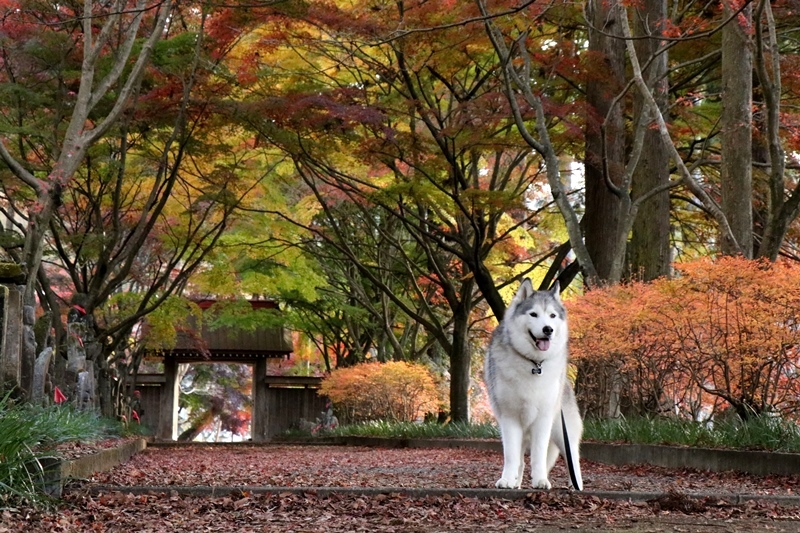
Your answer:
<point x="526" y="377"/>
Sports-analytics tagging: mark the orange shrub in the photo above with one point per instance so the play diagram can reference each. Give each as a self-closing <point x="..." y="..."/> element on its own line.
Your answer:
<point x="394" y="391"/>
<point x="721" y="334"/>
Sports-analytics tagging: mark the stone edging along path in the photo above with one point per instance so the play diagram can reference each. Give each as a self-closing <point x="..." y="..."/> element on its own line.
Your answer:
<point x="713" y="460"/>
<point x="487" y="493"/>
<point x="759" y="463"/>
<point x="57" y="471"/>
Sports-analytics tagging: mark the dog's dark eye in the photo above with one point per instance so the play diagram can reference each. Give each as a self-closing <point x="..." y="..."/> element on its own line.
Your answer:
<point x="534" y="314"/>
<point x="552" y="315"/>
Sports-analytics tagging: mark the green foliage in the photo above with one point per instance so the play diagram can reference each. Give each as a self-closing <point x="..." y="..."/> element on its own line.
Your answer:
<point x="760" y="433"/>
<point x="412" y="430"/>
<point x="175" y="54"/>
<point x="757" y="433"/>
<point x="240" y="314"/>
<point x="167" y="319"/>
<point x="29" y="434"/>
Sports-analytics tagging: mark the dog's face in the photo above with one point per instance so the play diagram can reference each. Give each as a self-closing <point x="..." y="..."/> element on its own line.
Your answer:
<point x="538" y="320"/>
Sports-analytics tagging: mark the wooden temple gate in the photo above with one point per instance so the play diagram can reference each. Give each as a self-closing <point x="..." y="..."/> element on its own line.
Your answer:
<point x="273" y="408"/>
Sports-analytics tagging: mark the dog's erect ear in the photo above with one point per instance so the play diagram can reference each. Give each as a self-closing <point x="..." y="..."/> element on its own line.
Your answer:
<point x="555" y="290"/>
<point x="525" y="291"/>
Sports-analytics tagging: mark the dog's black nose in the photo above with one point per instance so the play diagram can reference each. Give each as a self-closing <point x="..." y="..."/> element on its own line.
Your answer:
<point x="547" y="330"/>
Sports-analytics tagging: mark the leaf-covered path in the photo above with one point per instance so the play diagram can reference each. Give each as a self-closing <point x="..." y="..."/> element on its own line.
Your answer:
<point x="105" y="503"/>
<point x="339" y="466"/>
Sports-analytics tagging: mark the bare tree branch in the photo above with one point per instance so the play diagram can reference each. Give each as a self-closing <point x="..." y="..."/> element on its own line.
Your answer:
<point x="542" y="144"/>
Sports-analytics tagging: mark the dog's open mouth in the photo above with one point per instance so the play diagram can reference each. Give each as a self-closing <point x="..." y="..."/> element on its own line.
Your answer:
<point x="541" y="344"/>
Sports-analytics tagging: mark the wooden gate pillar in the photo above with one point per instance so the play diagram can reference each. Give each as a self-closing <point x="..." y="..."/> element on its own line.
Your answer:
<point x="11" y="335"/>
<point x="259" y="424"/>
<point x="168" y="411"/>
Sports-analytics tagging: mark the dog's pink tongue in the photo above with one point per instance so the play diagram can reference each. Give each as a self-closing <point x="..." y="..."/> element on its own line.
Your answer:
<point x="542" y="344"/>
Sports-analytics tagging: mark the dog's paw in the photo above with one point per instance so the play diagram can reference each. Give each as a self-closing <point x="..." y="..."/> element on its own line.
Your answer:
<point x="504" y="483"/>
<point x="542" y="484"/>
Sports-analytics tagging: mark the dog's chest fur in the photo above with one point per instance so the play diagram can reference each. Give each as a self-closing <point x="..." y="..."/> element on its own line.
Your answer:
<point x="510" y="380"/>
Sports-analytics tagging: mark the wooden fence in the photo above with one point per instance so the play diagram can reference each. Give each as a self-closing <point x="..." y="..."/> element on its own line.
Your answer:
<point x="291" y="400"/>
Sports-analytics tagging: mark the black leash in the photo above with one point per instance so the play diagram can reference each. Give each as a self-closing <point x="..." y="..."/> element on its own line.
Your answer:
<point x="568" y="449"/>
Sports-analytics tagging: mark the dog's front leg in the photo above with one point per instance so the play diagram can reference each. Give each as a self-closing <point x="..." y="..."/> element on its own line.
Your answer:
<point x="540" y="441"/>
<point x="513" y="455"/>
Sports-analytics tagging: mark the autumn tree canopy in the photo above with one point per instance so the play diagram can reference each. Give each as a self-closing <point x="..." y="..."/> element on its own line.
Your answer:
<point x="387" y="171"/>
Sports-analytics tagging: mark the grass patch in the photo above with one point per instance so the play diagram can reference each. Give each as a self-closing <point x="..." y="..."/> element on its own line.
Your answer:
<point x="408" y="430"/>
<point x="760" y="433"/>
<point x="28" y="434"/>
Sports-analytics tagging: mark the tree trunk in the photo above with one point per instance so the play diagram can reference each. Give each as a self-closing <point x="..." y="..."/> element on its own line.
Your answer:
<point x="649" y="247"/>
<point x="736" y="185"/>
<point x="605" y="140"/>
<point x="198" y="425"/>
<point x="780" y="211"/>
<point x="605" y="157"/>
<point x="460" y="361"/>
